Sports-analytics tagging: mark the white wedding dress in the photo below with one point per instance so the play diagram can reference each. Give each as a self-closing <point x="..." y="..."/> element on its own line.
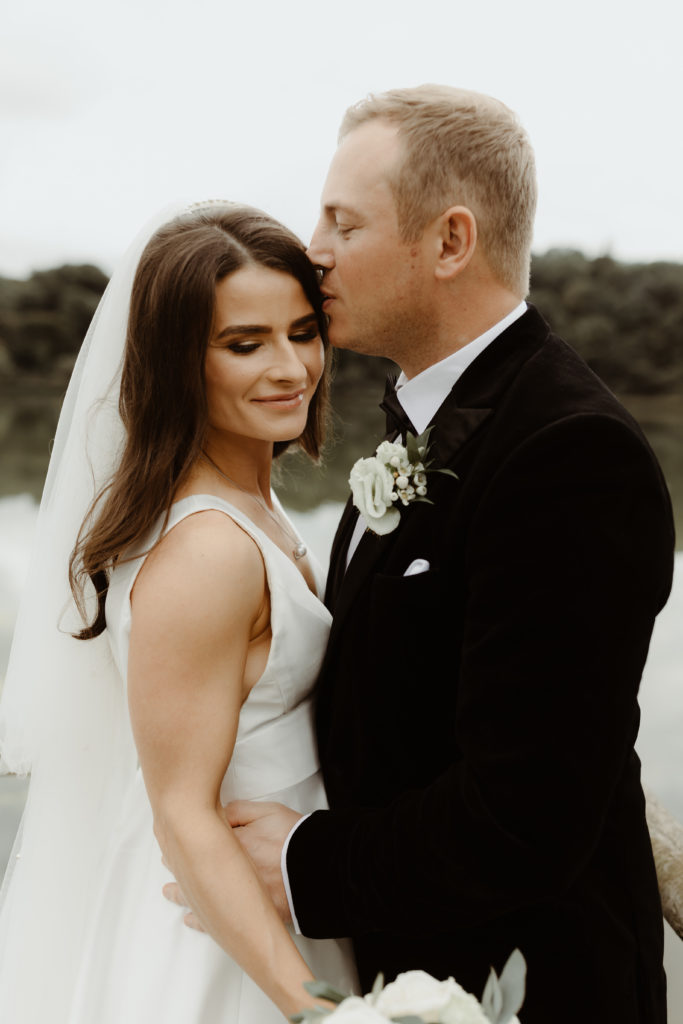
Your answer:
<point x="141" y="964"/>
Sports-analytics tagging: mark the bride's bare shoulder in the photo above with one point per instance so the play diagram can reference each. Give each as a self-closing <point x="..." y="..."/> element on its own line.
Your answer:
<point x="208" y="553"/>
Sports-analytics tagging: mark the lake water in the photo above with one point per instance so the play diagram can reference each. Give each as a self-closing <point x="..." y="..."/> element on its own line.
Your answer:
<point x="305" y="491"/>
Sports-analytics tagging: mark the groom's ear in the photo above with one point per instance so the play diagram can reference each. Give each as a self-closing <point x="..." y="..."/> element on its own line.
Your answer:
<point x="455" y="240"/>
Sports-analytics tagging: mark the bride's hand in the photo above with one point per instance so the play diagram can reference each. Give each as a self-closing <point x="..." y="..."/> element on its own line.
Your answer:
<point x="262" y="829"/>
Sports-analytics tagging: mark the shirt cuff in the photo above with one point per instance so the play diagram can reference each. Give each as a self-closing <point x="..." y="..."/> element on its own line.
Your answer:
<point x="285" y="875"/>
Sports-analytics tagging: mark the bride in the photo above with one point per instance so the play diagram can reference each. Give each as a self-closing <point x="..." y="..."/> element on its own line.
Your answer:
<point x="170" y="637"/>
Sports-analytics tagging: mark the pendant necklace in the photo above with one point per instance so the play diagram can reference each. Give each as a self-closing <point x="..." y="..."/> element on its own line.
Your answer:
<point x="299" y="549"/>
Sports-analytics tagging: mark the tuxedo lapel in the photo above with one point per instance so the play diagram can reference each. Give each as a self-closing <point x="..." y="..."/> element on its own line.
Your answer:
<point x="453" y="427"/>
<point x="369" y="550"/>
<point x="338" y="554"/>
<point x="481" y="388"/>
<point x="457" y="422"/>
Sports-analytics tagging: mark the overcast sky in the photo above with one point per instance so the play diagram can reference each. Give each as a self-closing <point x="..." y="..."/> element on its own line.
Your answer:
<point x="110" y="110"/>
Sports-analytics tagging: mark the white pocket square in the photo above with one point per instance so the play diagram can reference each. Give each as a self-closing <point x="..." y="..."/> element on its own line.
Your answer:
<point x="416" y="566"/>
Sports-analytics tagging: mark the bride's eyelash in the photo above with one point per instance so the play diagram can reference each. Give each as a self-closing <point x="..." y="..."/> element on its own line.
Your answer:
<point x="243" y="347"/>
<point x="299" y="337"/>
<point x="303" y="336"/>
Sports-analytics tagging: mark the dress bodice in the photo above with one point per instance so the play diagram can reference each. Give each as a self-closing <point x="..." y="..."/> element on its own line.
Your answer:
<point x="275" y="746"/>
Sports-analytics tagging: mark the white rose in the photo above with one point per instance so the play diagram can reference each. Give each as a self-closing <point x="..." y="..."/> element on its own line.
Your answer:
<point x="371" y="485"/>
<point x="355" y="1010"/>
<point x="416" y="992"/>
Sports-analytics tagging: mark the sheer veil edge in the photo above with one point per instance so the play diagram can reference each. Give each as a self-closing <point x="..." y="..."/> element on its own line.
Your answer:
<point x="63" y="716"/>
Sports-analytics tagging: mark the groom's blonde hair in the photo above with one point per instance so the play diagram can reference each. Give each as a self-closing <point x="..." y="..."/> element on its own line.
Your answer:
<point x="461" y="148"/>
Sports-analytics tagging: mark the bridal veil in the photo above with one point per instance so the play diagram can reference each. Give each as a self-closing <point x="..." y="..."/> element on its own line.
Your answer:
<point x="62" y="713"/>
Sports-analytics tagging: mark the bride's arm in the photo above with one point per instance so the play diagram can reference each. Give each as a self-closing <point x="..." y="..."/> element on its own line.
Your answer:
<point x="197" y="601"/>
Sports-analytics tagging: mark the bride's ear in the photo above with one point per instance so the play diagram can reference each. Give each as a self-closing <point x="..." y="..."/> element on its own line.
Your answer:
<point x="456" y="241"/>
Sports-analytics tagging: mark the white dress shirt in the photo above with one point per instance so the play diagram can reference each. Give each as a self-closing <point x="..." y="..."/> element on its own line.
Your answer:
<point x="421" y="397"/>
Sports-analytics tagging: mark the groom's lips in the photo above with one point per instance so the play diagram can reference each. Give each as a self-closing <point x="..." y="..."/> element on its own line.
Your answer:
<point x="328" y="299"/>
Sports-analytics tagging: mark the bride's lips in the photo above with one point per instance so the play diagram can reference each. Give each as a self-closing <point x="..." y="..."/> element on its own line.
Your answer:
<point x="291" y="400"/>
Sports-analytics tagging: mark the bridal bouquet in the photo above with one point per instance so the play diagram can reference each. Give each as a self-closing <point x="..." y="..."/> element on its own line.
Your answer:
<point x="417" y="998"/>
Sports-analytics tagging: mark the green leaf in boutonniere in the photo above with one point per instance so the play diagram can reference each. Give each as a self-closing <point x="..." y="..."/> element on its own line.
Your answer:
<point x="417" y="447"/>
<point x="418" y="452"/>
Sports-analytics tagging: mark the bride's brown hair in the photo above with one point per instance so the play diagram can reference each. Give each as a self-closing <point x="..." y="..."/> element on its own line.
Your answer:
<point x="162" y="400"/>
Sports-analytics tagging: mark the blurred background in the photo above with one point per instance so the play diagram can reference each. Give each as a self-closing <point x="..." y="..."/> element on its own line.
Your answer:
<point x="108" y="112"/>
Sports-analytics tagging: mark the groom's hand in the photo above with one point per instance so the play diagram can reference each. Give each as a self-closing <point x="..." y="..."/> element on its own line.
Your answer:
<point x="262" y="829"/>
<point x="175" y="894"/>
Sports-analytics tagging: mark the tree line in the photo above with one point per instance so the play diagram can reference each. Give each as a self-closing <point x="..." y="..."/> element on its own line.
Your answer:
<point x="625" y="319"/>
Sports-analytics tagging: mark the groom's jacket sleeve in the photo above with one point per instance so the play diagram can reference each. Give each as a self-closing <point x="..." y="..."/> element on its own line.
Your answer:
<point x="567" y="562"/>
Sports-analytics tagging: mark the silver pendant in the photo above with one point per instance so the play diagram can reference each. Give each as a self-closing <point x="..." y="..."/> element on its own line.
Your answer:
<point x="299" y="551"/>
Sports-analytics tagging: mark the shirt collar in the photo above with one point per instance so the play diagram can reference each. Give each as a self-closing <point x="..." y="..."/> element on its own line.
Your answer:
<point x="422" y="395"/>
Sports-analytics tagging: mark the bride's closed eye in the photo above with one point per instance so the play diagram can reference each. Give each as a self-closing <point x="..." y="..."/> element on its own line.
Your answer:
<point x="244" y="347"/>
<point x="310" y="334"/>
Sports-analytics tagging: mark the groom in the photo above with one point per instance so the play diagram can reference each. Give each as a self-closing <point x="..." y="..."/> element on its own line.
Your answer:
<point x="476" y="709"/>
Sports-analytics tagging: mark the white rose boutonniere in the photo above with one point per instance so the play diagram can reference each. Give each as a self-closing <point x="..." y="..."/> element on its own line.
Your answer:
<point x="395" y="476"/>
<point x="417" y="998"/>
<point x="372" y="485"/>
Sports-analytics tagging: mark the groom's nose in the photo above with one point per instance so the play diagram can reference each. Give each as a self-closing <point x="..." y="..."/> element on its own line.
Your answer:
<point x="319" y="249"/>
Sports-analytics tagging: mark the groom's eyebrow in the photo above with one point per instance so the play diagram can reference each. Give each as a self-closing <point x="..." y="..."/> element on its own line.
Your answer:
<point x="333" y="208"/>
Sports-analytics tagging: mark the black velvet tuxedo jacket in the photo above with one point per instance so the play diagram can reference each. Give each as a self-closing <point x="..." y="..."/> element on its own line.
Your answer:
<point x="476" y="722"/>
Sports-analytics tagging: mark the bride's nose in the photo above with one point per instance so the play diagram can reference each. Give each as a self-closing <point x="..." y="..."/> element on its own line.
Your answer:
<point x="288" y="363"/>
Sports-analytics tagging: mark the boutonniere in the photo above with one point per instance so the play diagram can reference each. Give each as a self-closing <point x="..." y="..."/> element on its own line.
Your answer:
<point x="395" y="476"/>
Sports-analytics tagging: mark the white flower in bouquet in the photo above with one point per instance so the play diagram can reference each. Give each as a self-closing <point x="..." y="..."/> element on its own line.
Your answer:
<point x="355" y="1010"/>
<point x="417" y="998"/>
<point x="416" y="993"/>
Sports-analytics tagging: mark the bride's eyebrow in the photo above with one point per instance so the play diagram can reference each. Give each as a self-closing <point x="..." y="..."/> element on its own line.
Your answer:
<point x="236" y="329"/>
<point x="304" y="321"/>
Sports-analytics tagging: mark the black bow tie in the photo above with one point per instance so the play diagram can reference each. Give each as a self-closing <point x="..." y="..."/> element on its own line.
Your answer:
<point x="397" y="418"/>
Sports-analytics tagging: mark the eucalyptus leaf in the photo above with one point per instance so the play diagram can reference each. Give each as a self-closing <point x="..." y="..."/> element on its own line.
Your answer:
<point x="427" y="501"/>
<point x="323" y="990"/>
<point x="448" y="472"/>
<point x="310" y="1015"/>
<point x="512" y="983"/>
<point x="504" y="996"/>
<point x="492" y="999"/>
<point x="410" y="1019"/>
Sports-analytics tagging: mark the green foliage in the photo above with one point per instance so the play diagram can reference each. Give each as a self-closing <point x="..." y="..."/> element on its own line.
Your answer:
<point x="626" y="320"/>
<point x="43" y="320"/>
